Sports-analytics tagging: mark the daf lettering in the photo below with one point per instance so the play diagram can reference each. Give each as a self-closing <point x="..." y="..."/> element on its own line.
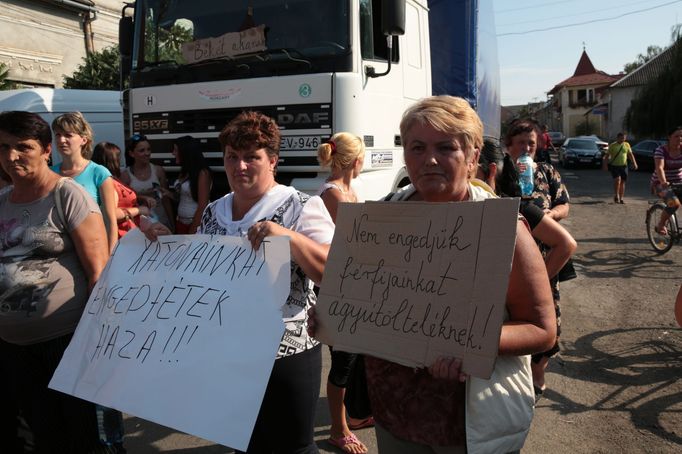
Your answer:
<point x="302" y="118"/>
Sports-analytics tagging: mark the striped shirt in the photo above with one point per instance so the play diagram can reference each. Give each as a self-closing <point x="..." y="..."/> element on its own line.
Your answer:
<point x="671" y="165"/>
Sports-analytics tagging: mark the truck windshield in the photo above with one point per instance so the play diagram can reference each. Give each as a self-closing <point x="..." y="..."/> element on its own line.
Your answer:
<point x="200" y="32"/>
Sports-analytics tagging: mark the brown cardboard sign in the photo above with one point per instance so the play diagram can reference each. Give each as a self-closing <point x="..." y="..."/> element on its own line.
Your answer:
<point x="412" y="281"/>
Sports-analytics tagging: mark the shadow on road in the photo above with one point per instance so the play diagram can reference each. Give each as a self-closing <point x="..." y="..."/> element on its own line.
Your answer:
<point x="640" y="365"/>
<point x="625" y="262"/>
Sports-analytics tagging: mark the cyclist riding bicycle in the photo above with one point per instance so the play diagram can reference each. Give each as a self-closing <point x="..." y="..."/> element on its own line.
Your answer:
<point x="667" y="171"/>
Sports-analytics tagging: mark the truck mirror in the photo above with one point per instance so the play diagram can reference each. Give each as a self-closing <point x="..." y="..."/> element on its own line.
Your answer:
<point x="125" y="36"/>
<point x="393" y="17"/>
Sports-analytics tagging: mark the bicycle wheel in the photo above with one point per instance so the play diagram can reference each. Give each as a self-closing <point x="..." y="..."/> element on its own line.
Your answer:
<point x="660" y="243"/>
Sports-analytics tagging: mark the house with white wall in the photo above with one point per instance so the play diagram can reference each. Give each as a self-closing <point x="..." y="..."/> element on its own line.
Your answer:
<point x="574" y="97"/>
<point x="620" y="94"/>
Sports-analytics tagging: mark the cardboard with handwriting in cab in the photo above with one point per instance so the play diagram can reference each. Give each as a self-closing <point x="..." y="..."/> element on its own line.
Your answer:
<point x="410" y="282"/>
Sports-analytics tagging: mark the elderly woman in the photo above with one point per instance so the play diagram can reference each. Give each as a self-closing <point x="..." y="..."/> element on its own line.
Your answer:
<point x="498" y="171"/>
<point x="258" y="207"/>
<point x="422" y="410"/>
<point x="52" y="250"/>
<point x="551" y="195"/>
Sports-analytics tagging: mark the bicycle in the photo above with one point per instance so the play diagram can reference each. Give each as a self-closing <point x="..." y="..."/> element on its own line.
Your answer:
<point x="663" y="243"/>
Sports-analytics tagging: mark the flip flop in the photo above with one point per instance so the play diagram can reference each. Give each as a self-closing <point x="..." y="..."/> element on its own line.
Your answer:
<point x="343" y="442"/>
<point x="367" y="422"/>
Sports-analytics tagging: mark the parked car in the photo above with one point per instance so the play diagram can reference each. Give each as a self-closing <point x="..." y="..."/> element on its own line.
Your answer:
<point x="556" y="137"/>
<point x="600" y="143"/>
<point x="644" y="153"/>
<point x="580" y="151"/>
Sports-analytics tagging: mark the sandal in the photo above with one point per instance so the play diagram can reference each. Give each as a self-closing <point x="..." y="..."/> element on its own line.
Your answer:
<point x="367" y="422"/>
<point x="344" y="443"/>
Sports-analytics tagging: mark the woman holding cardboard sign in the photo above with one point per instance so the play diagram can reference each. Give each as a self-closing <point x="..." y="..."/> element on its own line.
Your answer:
<point x="423" y="410"/>
<point x="256" y="208"/>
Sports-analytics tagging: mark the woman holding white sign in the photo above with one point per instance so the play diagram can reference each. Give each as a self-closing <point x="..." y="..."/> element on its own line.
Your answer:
<point x="53" y="247"/>
<point x="256" y="208"/>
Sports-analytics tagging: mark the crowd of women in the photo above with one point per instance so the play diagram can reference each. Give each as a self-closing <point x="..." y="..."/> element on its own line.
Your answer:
<point x="58" y="226"/>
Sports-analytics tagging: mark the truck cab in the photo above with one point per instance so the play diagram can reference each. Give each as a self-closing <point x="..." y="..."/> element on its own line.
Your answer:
<point x="316" y="67"/>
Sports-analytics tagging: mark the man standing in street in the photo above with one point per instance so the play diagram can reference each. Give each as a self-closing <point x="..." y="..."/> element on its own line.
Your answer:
<point x="545" y="143"/>
<point x="617" y="156"/>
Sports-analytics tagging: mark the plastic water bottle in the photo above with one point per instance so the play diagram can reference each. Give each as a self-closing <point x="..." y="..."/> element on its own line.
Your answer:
<point x="526" y="176"/>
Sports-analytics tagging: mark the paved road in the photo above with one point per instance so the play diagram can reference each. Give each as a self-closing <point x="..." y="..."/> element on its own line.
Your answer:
<point x="615" y="387"/>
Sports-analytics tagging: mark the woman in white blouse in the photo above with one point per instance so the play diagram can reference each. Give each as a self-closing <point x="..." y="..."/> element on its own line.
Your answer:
<point x="259" y="207"/>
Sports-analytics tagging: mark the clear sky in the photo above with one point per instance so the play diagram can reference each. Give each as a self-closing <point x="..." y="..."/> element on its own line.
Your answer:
<point x="532" y="62"/>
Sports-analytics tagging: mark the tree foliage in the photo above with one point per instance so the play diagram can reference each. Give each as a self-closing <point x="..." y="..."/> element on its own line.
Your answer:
<point x="651" y="52"/>
<point x="99" y="71"/>
<point x="657" y="107"/>
<point x="5" y="83"/>
<point x="586" y="128"/>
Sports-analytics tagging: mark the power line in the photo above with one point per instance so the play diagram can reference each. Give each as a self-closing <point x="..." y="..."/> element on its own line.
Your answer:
<point x="571" y="15"/>
<point x="501" y="11"/>
<point x="589" y="21"/>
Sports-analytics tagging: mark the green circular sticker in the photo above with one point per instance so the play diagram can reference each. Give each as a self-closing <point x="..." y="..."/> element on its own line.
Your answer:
<point x="305" y="90"/>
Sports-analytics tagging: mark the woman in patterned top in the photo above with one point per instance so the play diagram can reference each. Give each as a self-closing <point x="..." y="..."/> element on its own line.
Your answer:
<point x="549" y="194"/>
<point x="667" y="170"/>
<point x="256" y="208"/>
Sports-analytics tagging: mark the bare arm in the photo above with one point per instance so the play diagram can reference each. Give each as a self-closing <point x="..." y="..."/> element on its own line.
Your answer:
<point x="308" y="254"/>
<point x="331" y="198"/>
<point x="659" y="168"/>
<point x="125" y="177"/>
<point x="678" y="307"/>
<point x="91" y="247"/>
<point x="165" y="200"/>
<point x="203" y="196"/>
<point x="558" y="212"/>
<point x="532" y="323"/>
<point x="631" y="157"/>
<point x="107" y="194"/>
<point x="561" y="243"/>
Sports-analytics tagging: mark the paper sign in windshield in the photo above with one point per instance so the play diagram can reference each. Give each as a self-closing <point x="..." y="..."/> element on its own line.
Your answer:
<point x="225" y="46"/>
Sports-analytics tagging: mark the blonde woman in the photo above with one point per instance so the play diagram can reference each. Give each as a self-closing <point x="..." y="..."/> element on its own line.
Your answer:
<point x="74" y="138"/>
<point x="343" y="154"/>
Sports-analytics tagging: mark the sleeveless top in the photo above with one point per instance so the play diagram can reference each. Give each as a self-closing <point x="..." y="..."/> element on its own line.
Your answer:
<point x="145" y="185"/>
<point x="327" y="186"/>
<point x="187" y="206"/>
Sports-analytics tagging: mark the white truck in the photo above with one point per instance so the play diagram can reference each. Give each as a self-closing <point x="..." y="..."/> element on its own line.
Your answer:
<point x="316" y="67"/>
<point x="101" y="108"/>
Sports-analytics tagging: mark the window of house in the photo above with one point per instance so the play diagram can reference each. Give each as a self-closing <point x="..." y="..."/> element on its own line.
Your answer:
<point x="372" y="40"/>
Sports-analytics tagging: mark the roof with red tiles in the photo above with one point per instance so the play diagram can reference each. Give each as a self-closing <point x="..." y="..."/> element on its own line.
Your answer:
<point x="586" y="74"/>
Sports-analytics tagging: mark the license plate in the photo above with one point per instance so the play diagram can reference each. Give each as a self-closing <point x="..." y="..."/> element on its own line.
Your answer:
<point x="585" y="159"/>
<point x="300" y="143"/>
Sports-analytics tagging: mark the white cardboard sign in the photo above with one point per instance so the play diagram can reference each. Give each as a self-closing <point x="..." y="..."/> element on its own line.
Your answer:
<point x="183" y="332"/>
<point x="412" y="281"/>
<point x="225" y="46"/>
